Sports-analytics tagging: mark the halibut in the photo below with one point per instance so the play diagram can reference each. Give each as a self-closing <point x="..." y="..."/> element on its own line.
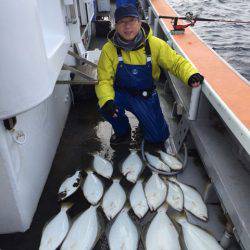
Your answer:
<point x="102" y="166"/>
<point x="196" y="238"/>
<point x="55" y="231"/>
<point x="138" y="200"/>
<point x="123" y="234"/>
<point x="157" y="163"/>
<point x="161" y="234"/>
<point x="155" y="191"/>
<point x="132" y="167"/>
<point x="113" y="199"/>
<point x="92" y="188"/>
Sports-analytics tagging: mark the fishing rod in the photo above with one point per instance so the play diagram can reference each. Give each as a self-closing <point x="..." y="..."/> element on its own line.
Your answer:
<point x="192" y="19"/>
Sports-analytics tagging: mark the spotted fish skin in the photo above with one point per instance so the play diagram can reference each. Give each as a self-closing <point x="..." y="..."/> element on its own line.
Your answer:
<point x="69" y="186"/>
<point x="123" y="234"/>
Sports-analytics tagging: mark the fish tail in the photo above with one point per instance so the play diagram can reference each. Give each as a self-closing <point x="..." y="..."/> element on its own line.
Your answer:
<point x="88" y="170"/>
<point x="66" y="206"/>
<point x="163" y="207"/>
<point x="173" y="179"/>
<point x="181" y="218"/>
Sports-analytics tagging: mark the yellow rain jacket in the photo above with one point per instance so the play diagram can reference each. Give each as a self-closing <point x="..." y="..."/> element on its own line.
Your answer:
<point x="162" y="55"/>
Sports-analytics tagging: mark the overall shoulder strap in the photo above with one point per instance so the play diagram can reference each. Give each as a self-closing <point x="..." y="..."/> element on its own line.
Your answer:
<point x="147" y="50"/>
<point x="119" y="54"/>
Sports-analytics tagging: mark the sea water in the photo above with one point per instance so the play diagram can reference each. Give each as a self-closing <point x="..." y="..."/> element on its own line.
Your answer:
<point x="231" y="41"/>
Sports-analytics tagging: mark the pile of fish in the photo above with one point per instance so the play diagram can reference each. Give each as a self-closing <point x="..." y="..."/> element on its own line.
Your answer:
<point x="156" y="194"/>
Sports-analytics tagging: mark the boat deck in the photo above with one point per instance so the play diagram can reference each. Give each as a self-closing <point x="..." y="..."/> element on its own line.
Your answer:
<point x="87" y="133"/>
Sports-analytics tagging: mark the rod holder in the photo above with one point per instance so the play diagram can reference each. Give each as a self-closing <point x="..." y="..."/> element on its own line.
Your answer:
<point x="194" y="103"/>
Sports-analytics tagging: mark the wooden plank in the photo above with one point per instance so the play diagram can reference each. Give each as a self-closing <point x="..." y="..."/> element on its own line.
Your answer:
<point x="78" y="72"/>
<point x="82" y="59"/>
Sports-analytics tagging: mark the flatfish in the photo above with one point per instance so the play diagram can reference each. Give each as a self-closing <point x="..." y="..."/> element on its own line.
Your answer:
<point x="56" y="230"/>
<point x="193" y="201"/>
<point x="155" y="191"/>
<point x="197" y="238"/>
<point x="171" y="161"/>
<point x="113" y="199"/>
<point x="175" y="197"/>
<point x="84" y="232"/>
<point x="132" y="167"/>
<point x="138" y="200"/>
<point x="102" y="166"/>
<point x="123" y="234"/>
<point x="92" y="188"/>
<point x="157" y="163"/>
<point x="69" y="185"/>
<point x="161" y="233"/>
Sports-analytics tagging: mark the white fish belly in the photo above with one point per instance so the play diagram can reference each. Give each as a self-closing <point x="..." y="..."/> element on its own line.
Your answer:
<point x="83" y="232"/>
<point x="102" y="166"/>
<point x="93" y="189"/>
<point x="155" y="191"/>
<point x="157" y="163"/>
<point x="196" y="238"/>
<point x="138" y="200"/>
<point x="175" y="196"/>
<point x="193" y="202"/>
<point x="132" y="167"/>
<point x="161" y="234"/>
<point x="55" y="232"/>
<point x="123" y="233"/>
<point x="113" y="200"/>
<point x="171" y="161"/>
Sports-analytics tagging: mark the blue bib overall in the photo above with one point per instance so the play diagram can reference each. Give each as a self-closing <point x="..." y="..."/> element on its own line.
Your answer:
<point x="135" y="92"/>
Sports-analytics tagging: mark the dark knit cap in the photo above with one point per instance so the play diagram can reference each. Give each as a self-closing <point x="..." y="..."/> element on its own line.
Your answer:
<point x="126" y="11"/>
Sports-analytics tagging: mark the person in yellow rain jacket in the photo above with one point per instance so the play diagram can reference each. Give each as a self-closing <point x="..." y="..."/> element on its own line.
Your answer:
<point x="129" y="63"/>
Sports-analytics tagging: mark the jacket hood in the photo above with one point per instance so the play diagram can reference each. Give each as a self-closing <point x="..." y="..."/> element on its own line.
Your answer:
<point x="145" y="29"/>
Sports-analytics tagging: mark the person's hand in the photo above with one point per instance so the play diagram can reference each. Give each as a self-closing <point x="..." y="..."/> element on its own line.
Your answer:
<point x="195" y="80"/>
<point x="110" y="108"/>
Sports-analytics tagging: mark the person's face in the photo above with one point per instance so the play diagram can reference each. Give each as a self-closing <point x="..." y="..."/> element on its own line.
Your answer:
<point x="128" y="27"/>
